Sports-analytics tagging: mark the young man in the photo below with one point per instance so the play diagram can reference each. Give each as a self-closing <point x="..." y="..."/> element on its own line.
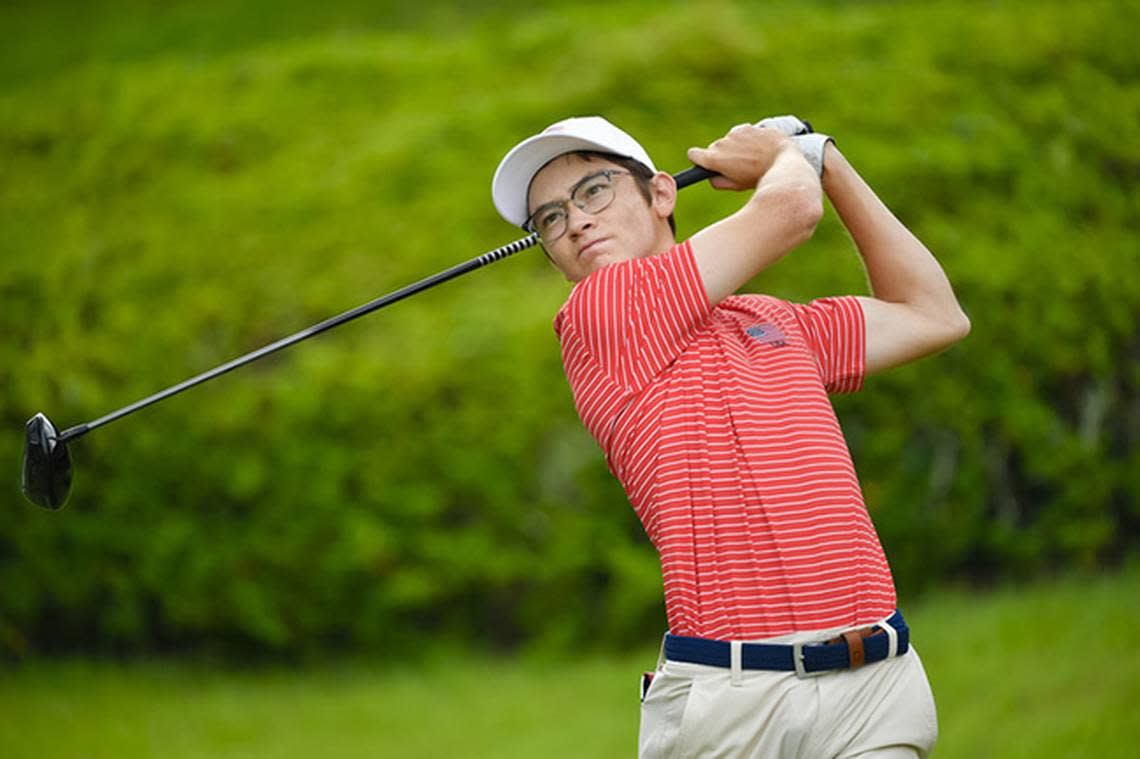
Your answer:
<point x="712" y="411"/>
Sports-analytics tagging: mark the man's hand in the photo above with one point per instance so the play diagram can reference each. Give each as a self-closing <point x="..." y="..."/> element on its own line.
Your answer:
<point x="742" y="157"/>
<point x="812" y="145"/>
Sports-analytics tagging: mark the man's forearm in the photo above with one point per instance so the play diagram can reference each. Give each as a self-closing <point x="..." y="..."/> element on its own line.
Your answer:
<point x="780" y="214"/>
<point x="900" y="268"/>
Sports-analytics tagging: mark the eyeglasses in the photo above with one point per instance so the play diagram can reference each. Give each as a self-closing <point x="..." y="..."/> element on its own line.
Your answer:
<point x="593" y="194"/>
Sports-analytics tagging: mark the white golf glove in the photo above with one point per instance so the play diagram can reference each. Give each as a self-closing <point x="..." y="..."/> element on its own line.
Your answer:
<point x="789" y="125"/>
<point x="810" y="143"/>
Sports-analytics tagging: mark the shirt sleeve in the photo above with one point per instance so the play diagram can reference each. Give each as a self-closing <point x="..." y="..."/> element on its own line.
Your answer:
<point x="835" y="332"/>
<point x="635" y="317"/>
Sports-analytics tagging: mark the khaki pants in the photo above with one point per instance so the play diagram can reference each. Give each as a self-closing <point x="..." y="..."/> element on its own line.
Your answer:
<point x="883" y="709"/>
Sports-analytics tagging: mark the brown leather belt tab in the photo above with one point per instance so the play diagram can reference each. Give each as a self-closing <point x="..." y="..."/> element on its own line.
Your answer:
<point x="855" y="648"/>
<point x="854" y="639"/>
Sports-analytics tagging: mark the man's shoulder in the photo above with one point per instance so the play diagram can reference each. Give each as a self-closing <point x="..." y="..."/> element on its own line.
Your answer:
<point x="561" y="316"/>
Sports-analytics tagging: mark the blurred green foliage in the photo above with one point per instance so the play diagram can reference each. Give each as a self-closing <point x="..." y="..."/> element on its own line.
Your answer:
<point x="184" y="182"/>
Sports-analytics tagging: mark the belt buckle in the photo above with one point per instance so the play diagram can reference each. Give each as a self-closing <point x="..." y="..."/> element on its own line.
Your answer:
<point x="798" y="662"/>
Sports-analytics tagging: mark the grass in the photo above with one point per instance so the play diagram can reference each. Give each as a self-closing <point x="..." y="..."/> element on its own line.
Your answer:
<point x="463" y="708"/>
<point x="1038" y="671"/>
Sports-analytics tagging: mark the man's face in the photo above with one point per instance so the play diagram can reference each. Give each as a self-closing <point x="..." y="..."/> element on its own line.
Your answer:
<point x="628" y="228"/>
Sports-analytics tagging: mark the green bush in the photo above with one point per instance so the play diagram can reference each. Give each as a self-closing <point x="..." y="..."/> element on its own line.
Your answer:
<point x="185" y="182"/>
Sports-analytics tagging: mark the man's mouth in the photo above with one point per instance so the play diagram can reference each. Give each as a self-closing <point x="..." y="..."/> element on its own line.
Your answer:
<point x="584" y="251"/>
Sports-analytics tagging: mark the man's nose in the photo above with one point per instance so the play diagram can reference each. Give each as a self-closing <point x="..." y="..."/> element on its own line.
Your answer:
<point x="577" y="219"/>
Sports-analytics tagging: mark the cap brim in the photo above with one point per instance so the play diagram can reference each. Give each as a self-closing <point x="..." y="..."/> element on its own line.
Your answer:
<point x="512" y="179"/>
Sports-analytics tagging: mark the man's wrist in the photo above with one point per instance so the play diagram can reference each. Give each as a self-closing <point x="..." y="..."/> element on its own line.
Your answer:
<point x="814" y="146"/>
<point x="788" y="155"/>
<point x="832" y="159"/>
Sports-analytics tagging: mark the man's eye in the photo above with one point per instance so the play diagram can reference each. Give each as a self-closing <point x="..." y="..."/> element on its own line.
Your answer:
<point x="594" y="188"/>
<point x="549" y="219"/>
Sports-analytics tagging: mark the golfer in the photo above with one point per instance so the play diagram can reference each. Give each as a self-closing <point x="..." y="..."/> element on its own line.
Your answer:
<point x="712" y="410"/>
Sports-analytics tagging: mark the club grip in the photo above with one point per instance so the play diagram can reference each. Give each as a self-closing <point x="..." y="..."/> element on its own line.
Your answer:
<point x="692" y="176"/>
<point x="699" y="173"/>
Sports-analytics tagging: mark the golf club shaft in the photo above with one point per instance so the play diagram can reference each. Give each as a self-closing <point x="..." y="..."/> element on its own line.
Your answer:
<point x="683" y="179"/>
<point x="490" y="257"/>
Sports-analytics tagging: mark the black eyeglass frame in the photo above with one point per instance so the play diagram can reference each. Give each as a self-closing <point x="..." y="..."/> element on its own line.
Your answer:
<point x="530" y="226"/>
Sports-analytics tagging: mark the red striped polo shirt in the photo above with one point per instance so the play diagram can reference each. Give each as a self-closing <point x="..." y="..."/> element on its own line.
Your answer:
<point x="717" y="422"/>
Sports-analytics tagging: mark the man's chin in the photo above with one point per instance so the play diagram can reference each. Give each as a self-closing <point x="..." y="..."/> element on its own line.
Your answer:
<point x="601" y="258"/>
<point x="596" y="262"/>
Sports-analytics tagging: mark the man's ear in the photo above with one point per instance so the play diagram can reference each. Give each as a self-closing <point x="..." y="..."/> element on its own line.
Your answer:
<point x="663" y="190"/>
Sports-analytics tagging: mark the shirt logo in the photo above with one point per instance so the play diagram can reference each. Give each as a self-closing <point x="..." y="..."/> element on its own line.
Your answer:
<point x="768" y="334"/>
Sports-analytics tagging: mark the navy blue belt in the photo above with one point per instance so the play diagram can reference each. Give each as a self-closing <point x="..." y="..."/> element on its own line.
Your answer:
<point x="805" y="659"/>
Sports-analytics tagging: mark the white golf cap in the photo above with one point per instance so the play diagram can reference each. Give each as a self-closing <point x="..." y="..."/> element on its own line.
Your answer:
<point x="512" y="179"/>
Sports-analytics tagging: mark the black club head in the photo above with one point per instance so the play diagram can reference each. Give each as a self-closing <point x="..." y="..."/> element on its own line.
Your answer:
<point x="46" y="479"/>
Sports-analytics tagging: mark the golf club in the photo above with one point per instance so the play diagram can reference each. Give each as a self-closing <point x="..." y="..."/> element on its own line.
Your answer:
<point x="46" y="476"/>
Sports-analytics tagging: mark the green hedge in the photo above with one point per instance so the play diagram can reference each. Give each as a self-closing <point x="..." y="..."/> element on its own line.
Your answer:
<point x="185" y="182"/>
